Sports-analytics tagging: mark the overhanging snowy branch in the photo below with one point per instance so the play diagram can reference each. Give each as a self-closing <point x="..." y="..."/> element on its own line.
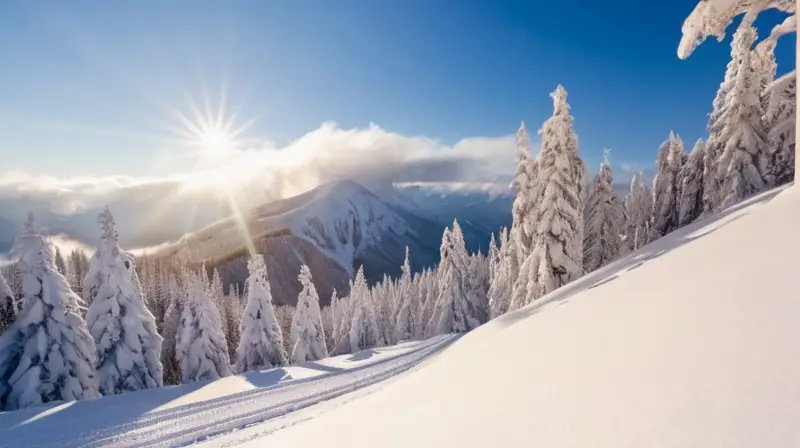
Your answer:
<point x="712" y="17"/>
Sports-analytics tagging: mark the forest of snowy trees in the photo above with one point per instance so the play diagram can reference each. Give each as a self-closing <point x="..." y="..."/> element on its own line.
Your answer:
<point x="74" y="327"/>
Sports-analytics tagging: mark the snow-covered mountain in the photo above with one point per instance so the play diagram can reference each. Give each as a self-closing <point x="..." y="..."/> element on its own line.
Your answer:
<point x="333" y="229"/>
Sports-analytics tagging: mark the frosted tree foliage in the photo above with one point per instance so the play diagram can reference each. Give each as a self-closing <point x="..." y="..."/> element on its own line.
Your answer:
<point x="604" y="221"/>
<point x="8" y="305"/>
<point x="690" y="204"/>
<point x="780" y="117"/>
<point x="363" y="329"/>
<point x="128" y="345"/>
<point x="261" y="345"/>
<point x="556" y="257"/>
<point x="666" y="188"/>
<point x="172" y="322"/>
<point x="524" y="201"/>
<point x="407" y="321"/>
<point x="638" y="207"/>
<point x="455" y="312"/>
<point x="201" y="347"/>
<point x="307" y="337"/>
<point x="743" y="161"/>
<point x="47" y="354"/>
<point x="501" y="285"/>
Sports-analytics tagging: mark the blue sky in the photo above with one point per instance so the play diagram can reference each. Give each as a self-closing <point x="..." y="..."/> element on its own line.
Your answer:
<point x="85" y="86"/>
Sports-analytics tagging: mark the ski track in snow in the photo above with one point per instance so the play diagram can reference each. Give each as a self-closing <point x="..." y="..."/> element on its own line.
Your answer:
<point x="195" y="422"/>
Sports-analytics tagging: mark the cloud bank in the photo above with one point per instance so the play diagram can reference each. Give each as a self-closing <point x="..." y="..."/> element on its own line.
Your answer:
<point x="150" y="211"/>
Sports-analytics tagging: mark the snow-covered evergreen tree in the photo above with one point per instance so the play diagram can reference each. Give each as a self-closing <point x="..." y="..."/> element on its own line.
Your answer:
<point x="307" y="337"/>
<point x="524" y="201"/>
<point x="666" y="188"/>
<point x="8" y="305"/>
<point x="406" y="326"/>
<point x="383" y="299"/>
<point x="604" y="221"/>
<point x="232" y="322"/>
<point x="638" y="208"/>
<point x="364" y="332"/>
<point x="128" y="345"/>
<point x="47" y="354"/>
<point x="742" y="162"/>
<point x="690" y="203"/>
<point x="61" y="265"/>
<point x="780" y="118"/>
<point x="455" y="312"/>
<point x="201" y="347"/>
<point x="556" y="257"/>
<point x="502" y="285"/>
<point x="261" y="345"/>
<point x="172" y="321"/>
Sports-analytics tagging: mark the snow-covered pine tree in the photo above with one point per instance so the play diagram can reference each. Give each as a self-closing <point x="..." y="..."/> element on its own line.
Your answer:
<point x="128" y="344"/>
<point x="454" y="312"/>
<point x="383" y="298"/>
<point x="502" y="285"/>
<point x="666" y="189"/>
<point x="406" y="321"/>
<point x="524" y="201"/>
<point x="780" y="119"/>
<point x="201" y="347"/>
<point x="478" y="286"/>
<point x="363" y="331"/>
<point x="638" y="208"/>
<point x="78" y="266"/>
<point x="556" y="257"/>
<point x="261" y="345"/>
<point x="47" y="354"/>
<point x="172" y="320"/>
<point x="307" y="338"/>
<point x="690" y="203"/>
<point x="61" y="265"/>
<point x="493" y="257"/>
<point x="604" y="221"/>
<point x="8" y="305"/>
<point x="232" y="322"/>
<point x="333" y="335"/>
<point x="742" y="162"/>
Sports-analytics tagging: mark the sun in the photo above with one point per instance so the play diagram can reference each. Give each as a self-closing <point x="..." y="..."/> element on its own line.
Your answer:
<point x="215" y="142"/>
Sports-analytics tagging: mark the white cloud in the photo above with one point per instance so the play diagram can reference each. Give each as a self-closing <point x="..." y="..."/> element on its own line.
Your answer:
<point x="150" y="211"/>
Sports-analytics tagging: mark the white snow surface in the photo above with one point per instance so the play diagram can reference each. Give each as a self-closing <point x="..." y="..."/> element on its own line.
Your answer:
<point x="182" y="415"/>
<point x="690" y="341"/>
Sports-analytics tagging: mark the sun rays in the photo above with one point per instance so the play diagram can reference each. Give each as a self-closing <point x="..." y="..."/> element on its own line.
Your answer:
<point x="212" y="139"/>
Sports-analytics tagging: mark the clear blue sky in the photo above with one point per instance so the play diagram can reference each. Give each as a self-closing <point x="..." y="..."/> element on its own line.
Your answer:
<point x="84" y="84"/>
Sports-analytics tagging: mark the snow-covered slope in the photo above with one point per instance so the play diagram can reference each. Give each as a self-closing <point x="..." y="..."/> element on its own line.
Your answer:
<point x="179" y="415"/>
<point x="690" y="342"/>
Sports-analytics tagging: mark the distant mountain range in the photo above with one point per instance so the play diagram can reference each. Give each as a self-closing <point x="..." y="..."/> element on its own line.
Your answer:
<point x="334" y="229"/>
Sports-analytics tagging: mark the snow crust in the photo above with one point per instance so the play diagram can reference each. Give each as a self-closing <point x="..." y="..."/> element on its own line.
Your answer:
<point x="690" y="341"/>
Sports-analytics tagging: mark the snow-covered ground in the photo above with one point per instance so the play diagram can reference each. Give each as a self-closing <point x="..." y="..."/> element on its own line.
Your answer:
<point x="181" y="415"/>
<point x="693" y="341"/>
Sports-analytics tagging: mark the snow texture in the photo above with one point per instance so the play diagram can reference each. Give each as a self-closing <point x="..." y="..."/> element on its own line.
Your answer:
<point x="128" y="344"/>
<point x="307" y="338"/>
<point x="261" y="344"/>
<point x="47" y="354"/>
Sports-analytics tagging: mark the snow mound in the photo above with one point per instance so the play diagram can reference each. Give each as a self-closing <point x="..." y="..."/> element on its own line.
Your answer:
<point x="689" y="341"/>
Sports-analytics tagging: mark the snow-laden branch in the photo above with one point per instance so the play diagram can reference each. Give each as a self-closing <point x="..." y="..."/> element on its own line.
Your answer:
<point x="712" y="17"/>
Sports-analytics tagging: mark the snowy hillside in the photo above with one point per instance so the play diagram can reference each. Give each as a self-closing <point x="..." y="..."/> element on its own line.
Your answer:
<point x="690" y="341"/>
<point x="178" y="415"/>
